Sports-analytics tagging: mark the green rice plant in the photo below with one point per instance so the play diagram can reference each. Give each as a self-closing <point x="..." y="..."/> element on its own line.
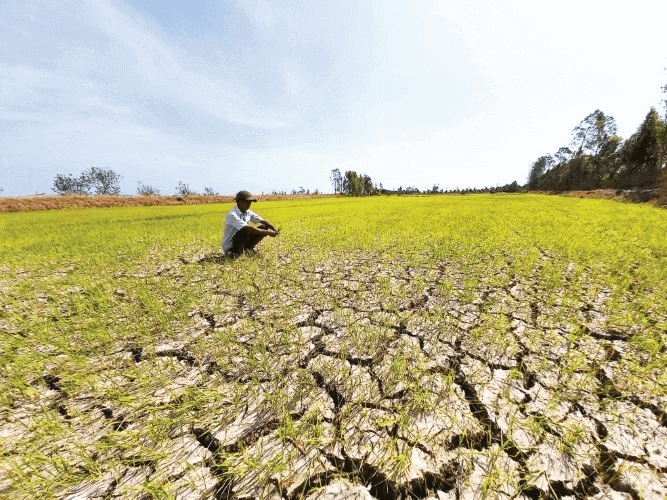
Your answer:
<point x="574" y="289"/>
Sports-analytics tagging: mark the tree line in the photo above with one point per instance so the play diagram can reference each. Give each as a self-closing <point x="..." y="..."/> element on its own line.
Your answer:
<point x="105" y="181"/>
<point x="353" y="184"/>
<point x="597" y="157"/>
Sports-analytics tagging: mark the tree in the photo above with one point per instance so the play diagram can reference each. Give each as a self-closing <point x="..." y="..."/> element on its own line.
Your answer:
<point x="145" y="190"/>
<point x="183" y="189"/>
<point x="563" y="155"/>
<point x="592" y="132"/>
<point x="104" y="180"/>
<point x="68" y="184"/>
<point x="639" y="157"/>
<point x="660" y="133"/>
<point x="366" y="185"/>
<point x="351" y="183"/>
<point x="357" y="185"/>
<point x="538" y="169"/>
<point x="336" y="180"/>
<point x="209" y="191"/>
<point x="604" y="163"/>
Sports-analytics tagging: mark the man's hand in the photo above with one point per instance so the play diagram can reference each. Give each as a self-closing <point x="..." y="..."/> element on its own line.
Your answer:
<point x="268" y="224"/>
<point x="271" y="231"/>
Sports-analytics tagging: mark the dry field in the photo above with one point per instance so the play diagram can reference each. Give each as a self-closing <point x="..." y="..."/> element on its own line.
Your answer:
<point x="55" y="202"/>
<point x="505" y="346"/>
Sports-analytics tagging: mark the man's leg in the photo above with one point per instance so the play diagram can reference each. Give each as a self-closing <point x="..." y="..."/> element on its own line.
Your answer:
<point x="239" y="241"/>
<point x="254" y="239"/>
<point x="244" y="240"/>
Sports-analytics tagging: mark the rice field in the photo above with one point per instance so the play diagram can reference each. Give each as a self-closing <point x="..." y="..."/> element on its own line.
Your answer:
<point x="441" y="347"/>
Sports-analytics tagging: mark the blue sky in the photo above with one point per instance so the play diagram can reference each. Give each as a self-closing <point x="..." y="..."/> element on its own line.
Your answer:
<point x="266" y="95"/>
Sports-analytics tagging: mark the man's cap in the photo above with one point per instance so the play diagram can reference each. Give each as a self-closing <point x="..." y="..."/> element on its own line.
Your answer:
<point x="245" y="195"/>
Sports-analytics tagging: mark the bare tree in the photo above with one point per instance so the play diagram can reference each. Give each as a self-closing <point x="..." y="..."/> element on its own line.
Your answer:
<point x="146" y="190"/>
<point x="183" y="189"/>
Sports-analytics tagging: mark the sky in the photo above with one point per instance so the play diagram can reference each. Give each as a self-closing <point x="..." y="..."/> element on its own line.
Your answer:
<point x="268" y="95"/>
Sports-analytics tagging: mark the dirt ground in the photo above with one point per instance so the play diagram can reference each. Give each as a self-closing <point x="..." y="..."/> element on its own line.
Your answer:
<point x="338" y="373"/>
<point x="632" y="195"/>
<point x="55" y="202"/>
<point x="409" y="397"/>
<point x="50" y="202"/>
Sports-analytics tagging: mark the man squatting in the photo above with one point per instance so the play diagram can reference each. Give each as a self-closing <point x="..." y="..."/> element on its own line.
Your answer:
<point x="240" y="236"/>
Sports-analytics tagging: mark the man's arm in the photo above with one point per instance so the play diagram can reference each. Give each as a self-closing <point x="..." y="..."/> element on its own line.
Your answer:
<point x="268" y="224"/>
<point x="272" y="231"/>
<point x="265" y="232"/>
<point x="259" y="220"/>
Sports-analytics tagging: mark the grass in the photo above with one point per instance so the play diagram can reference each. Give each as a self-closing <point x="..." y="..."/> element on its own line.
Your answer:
<point x="121" y="329"/>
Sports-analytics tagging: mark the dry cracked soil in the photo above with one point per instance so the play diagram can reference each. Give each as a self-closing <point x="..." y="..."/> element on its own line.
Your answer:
<point x="367" y="378"/>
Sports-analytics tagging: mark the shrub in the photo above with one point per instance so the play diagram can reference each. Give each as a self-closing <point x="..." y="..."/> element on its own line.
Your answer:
<point x="146" y="190"/>
<point x="104" y="180"/>
<point x="68" y="184"/>
<point x="183" y="189"/>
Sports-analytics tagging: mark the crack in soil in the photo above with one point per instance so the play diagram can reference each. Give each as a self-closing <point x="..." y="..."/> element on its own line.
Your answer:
<point x="528" y="311"/>
<point x="52" y="382"/>
<point x="119" y="423"/>
<point x="180" y="353"/>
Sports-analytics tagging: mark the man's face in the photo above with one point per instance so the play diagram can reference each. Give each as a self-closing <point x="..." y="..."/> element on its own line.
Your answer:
<point x="244" y="205"/>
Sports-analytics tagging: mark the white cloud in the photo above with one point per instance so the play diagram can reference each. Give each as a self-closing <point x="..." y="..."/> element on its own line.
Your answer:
<point x="162" y="70"/>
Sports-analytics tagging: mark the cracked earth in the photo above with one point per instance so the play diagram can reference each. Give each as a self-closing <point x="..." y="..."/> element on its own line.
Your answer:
<point x="366" y="378"/>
